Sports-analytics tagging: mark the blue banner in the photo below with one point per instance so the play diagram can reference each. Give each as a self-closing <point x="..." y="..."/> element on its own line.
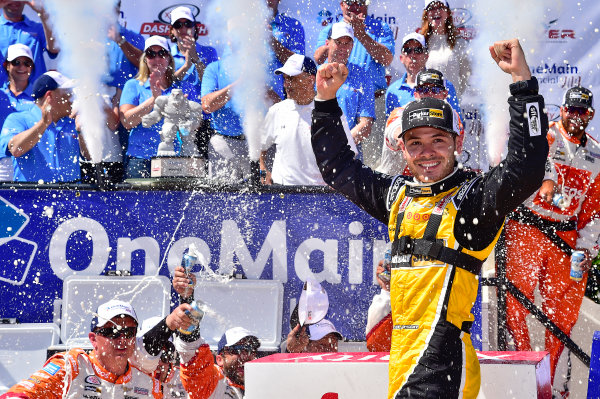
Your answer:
<point x="47" y="235"/>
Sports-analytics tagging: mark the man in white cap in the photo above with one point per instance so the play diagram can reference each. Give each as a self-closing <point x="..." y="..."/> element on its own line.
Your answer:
<point x="356" y="96"/>
<point x="105" y="371"/>
<point x="320" y="337"/>
<point x="287" y="126"/>
<point x="374" y="47"/>
<point x="15" y="27"/>
<point x="44" y="141"/>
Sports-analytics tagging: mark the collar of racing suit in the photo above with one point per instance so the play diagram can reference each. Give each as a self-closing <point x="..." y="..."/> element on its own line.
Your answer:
<point x="107" y="375"/>
<point x="420" y="189"/>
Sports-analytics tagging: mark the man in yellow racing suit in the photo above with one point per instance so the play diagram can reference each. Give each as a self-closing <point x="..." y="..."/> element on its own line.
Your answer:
<point x="443" y="223"/>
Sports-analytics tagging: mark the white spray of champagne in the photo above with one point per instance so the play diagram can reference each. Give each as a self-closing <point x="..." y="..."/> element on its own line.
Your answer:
<point x="498" y="21"/>
<point x="81" y="30"/>
<point x="244" y="24"/>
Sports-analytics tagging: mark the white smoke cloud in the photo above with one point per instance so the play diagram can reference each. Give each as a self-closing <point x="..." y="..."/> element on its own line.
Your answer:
<point x="81" y="30"/>
<point x="499" y="20"/>
<point x="243" y="24"/>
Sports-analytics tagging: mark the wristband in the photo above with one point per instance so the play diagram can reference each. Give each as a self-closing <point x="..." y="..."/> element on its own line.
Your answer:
<point x="525" y="87"/>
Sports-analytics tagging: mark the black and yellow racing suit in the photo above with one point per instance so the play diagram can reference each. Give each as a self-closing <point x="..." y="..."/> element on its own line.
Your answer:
<point x="446" y="231"/>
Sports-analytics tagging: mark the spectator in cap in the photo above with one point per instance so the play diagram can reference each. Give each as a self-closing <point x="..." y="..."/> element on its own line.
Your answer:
<point x="287" y="126"/>
<point x="356" y="97"/>
<point x="448" y="52"/>
<point x="374" y="46"/>
<point x="287" y="38"/>
<point x="414" y="56"/>
<point x="15" y="27"/>
<point x="156" y="77"/>
<point x="107" y="368"/>
<point x="16" y="94"/>
<point x="201" y="377"/>
<point x="314" y="338"/>
<point x="186" y="52"/>
<point x="44" y="141"/>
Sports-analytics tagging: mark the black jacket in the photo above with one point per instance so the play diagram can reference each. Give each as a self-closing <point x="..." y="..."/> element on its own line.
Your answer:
<point x="483" y="205"/>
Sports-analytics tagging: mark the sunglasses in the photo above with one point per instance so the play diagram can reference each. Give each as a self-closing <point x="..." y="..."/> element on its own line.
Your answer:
<point x="150" y="54"/>
<point x="114" y="332"/>
<point x="187" y="24"/>
<point x="410" y="50"/>
<point x="578" y="110"/>
<point x="429" y="89"/>
<point x="238" y="349"/>
<point x="27" y="63"/>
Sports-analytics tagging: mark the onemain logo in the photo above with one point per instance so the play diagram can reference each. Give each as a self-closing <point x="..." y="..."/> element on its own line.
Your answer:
<point x="562" y="75"/>
<point x="326" y="17"/>
<point x="161" y="26"/>
<point x="555" y="69"/>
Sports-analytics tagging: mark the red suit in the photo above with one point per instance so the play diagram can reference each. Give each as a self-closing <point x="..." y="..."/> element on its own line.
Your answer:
<point x="533" y="237"/>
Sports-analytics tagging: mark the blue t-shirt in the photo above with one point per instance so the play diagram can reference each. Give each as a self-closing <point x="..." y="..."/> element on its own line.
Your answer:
<point x="143" y="141"/>
<point x="356" y="97"/>
<point x="120" y="69"/>
<point x="3" y="74"/>
<point x="30" y="34"/>
<point x="10" y="103"/>
<point x="400" y="93"/>
<point x="206" y="54"/>
<point x="55" y="158"/>
<point x="290" y="33"/>
<point x="226" y="120"/>
<point x="378" y="31"/>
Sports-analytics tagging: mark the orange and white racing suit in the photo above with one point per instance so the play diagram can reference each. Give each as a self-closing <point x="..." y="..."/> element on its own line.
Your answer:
<point x="201" y="377"/>
<point x="77" y="375"/>
<point x="538" y="231"/>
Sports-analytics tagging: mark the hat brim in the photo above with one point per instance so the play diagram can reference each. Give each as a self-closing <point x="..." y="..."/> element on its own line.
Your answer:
<point x="289" y="71"/>
<point x="447" y="130"/>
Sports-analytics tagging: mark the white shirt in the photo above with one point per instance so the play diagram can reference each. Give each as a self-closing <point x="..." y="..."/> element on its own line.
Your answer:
<point x="287" y="125"/>
<point x="453" y="63"/>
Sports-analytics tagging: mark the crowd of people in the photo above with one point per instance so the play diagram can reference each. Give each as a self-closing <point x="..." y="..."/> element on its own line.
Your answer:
<point x="317" y="119"/>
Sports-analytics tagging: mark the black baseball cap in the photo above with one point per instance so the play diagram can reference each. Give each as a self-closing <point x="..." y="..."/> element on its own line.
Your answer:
<point x="430" y="112"/>
<point x="578" y="97"/>
<point x="431" y="77"/>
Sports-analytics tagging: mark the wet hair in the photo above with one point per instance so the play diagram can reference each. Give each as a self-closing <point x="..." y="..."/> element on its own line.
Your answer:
<point x="451" y="31"/>
<point x="144" y="72"/>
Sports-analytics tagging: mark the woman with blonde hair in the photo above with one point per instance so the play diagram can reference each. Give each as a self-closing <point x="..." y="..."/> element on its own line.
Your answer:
<point x="156" y="77"/>
<point x="447" y="50"/>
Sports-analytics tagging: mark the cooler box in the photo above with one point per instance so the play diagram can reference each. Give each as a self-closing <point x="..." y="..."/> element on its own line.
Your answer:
<point x="149" y="295"/>
<point x="365" y="375"/>
<point x="23" y="350"/>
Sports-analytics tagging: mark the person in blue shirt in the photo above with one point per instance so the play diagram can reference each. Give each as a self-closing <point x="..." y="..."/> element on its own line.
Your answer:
<point x="374" y="46"/>
<point x="44" y="140"/>
<point x="124" y="50"/>
<point x="228" y="159"/>
<point x="155" y="78"/>
<point x="356" y="97"/>
<point x="287" y="38"/>
<point x="16" y="94"/>
<point x="17" y="28"/>
<point x="414" y="58"/>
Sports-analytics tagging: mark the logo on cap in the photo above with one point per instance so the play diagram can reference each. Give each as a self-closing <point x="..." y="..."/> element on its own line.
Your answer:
<point x="426" y="113"/>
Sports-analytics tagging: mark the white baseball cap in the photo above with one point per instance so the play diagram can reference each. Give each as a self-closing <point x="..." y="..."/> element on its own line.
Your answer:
<point x="341" y="29"/>
<point x="296" y="64"/>
<point x="111" y="309"/>
<point x="429" y="2"/>
<point x="313" y="303"/>
<point x="18" y="50"/>
<point x="321" y="329"/>
<point x="181" y="12"/>
<point x="156" y="41"/>
<point x="414" y="36"/>
<point x="235" y="335"/>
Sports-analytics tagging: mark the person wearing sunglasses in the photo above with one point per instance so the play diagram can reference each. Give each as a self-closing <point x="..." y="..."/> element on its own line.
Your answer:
<point x="374" y="46"/>
<point x="156" y="77"/>
<point x="191" y="58"/>
<point x="447" y="50"/>
<point x="106" y="370"/>
<point x="15" y="27"/>
<point x="16" y="94"/>
<point x="542" y="234"/>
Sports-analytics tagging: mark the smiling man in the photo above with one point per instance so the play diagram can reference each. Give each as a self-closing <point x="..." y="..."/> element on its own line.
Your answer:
<point x="443" y="222"/>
